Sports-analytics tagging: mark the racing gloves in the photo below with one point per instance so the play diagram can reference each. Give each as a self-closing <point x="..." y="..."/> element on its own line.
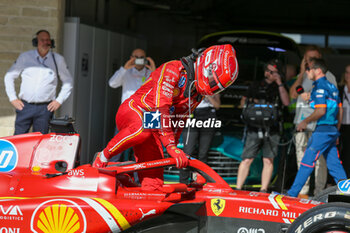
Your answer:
<point x="169" y="142"/>
<point x="180" y="156"/>
<point x="100" y="161"/>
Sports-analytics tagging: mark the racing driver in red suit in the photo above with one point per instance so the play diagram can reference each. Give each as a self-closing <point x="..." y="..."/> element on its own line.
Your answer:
<point x="169" y="91"/>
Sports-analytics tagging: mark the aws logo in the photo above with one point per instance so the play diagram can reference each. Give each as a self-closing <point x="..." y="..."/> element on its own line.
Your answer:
<point x="59" y="215"/>
<point x="217" y="206"/>
<point x="8" y="156"/>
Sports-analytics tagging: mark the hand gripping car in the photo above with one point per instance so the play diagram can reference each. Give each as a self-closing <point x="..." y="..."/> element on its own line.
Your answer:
<point x="41" y="191"/>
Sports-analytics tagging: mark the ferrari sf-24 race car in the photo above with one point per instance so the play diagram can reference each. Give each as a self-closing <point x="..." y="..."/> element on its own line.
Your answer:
<point x="42" y="191"/>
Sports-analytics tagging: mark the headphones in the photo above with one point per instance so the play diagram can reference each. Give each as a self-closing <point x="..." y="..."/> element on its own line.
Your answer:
<point x="35" y="39"/>
<point x="188" y="63"/>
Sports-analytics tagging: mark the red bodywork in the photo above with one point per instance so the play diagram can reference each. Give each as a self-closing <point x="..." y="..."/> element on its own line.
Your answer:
<point x="37" y="196"/>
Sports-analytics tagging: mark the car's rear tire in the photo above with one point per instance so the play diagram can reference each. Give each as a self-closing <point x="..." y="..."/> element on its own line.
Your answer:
<point x="323" y="196"/>
<point x="329" y="217"/>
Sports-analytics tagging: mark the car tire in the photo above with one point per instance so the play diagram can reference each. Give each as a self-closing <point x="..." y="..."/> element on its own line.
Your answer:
<point x="323" y="196"/>
<point x="329" y="217"/>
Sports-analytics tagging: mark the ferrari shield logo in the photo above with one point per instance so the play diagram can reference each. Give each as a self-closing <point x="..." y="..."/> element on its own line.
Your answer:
<point x="218" y="206"/>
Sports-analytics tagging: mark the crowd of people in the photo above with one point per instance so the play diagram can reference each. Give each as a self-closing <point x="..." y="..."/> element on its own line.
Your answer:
<point x="191" y="85"/>
<point x="279" y="88"/>
<point x="321" y="112"/>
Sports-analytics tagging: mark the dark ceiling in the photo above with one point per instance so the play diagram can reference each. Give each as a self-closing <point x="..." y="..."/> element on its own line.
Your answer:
<point x="172" y="27"/>
<point x="296" y="16"/>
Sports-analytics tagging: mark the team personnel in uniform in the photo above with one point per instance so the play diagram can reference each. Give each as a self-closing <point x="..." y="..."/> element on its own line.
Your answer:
<point x="324" y="98"/>
<point x="302" y="111"/>
<point x="39" y="70"/>
<point x="173" y="89"/>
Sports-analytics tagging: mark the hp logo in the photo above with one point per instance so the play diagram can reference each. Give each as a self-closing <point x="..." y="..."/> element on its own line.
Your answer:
<point x="8" y="156"/>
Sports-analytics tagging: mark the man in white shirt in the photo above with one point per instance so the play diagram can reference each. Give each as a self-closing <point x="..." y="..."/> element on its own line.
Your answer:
<point x="39" y="71"/>
<point x="133" y="74"/>
<point x="130" y="77"/>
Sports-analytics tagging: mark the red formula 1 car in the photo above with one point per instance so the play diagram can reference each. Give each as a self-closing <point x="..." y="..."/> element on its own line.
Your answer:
<point x="42" y="191"/>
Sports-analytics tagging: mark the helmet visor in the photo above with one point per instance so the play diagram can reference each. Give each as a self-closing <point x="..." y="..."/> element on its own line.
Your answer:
<point x="214" y="83"/>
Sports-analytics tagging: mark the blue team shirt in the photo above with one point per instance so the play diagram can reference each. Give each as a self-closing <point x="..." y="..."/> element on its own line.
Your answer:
<point x="325" y="94"/>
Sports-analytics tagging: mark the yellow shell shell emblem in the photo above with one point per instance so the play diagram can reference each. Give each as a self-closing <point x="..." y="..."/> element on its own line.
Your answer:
<point x="59" y="217"/>
<point x="217" y="206"/>
<point x="176" y="92"/>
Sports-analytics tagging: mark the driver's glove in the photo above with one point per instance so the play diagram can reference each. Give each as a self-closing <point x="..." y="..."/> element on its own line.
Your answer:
<point x="180" y="156"/>
<point x="100" y="161"/>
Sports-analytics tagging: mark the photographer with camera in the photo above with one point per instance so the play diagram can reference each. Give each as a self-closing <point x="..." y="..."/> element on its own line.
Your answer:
<point x="133" y="74"/>
<point x="264" y="98"/>
<point x="130" y="77"/>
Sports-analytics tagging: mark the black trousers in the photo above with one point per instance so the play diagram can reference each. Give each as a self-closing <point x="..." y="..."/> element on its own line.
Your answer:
<point x="200" y="138"/>
<point x="345" y="148"/>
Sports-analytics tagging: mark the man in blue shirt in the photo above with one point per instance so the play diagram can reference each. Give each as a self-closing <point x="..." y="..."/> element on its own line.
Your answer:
<point x="324" y="98"/>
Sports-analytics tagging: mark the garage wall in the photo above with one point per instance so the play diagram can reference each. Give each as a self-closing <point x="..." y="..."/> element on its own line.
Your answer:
<point x="19" y="21"/>
<point x="169" y="36"/>
<point x="94" y="55"/>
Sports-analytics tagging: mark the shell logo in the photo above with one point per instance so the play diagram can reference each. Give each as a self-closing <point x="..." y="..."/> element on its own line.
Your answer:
<point x="176" y="92"/>
<point x="59" y="215"/>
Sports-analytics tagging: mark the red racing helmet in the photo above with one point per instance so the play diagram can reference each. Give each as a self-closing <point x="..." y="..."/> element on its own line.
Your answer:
<point x="216" y="69"/>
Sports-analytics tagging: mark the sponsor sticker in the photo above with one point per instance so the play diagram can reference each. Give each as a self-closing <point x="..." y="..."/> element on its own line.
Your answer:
<point x="176" y="92"/>
<point x="172" y="109"/>
<point x="182" y="82"/>
<point x="76" y="172"/>
<point x="8" y="156"/>
<point x="12" y="213"/>
<point x="151" y="212"/>
<point x="250" y="230"/>
<point x="9" y="230"/>
<point x="217" y="206"/>
<point x="344" y="186"/>
<point x="58" y="215"/>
